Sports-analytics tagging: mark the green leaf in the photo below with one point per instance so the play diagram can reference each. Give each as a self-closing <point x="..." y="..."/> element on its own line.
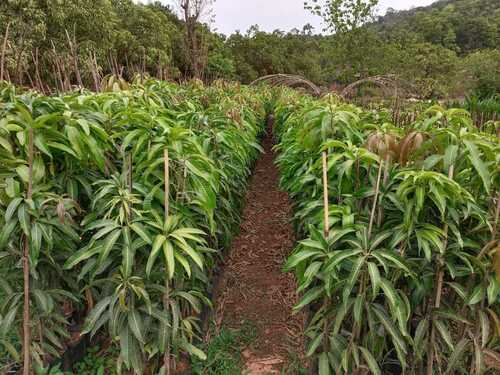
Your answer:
<point x="108" y="244"/>
<point x="128" y="252"/>
<point x="459" y="289"/>
<point x="23" y="172"/>
<point x="6" y="145"/>
<point x="11" y="208"/>
<point x="183" y="245"/>
<point x="298" y="257"/>
<point x="457" y="356"/>
<point x="142" y="232"/>
<point x="444" y="332"/>
<point x="7" y="321"/>
<point x="370" y="361"/>
<point x="155" y="251"/>
<point x="168" y="252"/>
<point x="479" y="165"/>
<point x="324" y="364"/>
<point x="476" y="295"/>
<point x="191" y="349"/>
<point x="95" y="314"/>
<point x="314" y="344"/>
<point x="5" y="233"/>
<point x="81" y="255"/>
<point x="389" y="291"/>
<point x="62" y="147"/>
<point x="36" y="243"/>
<point x="310" y="296"/>
<point x="419" y="340"/>
<point x="374" y="277"/>
<point x="493" y="291"/>
<point x="391" y="328"/>
<point x="10" y="349"/>
<point x="135" y="325"/>
<point x="450" y="156"/>
<point x="44" y="301"/>
<point x="340" y="256"/>
<point x="24" y="219"/>
<point x="38" y="170"/>
<point x="450" y="314"/>
<point x="358" y="308"/>
<point x="395" y="259"/>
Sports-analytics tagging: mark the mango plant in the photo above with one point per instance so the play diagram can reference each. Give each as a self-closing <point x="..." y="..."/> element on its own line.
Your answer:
<point x="115" y="206"/>
<point x="404" y="278"/>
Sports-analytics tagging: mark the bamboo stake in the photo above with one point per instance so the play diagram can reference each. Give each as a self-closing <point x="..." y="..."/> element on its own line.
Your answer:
<point x="326" y="222"/>
<point x="439" y="290"/>
<point x="129" y="182"/>
<point x="166" y="297"/>
<point x="26" y="270"/>
<point x="375" y="199"/>
<point x="166" y="162"/>
<point x="326" y="229"/>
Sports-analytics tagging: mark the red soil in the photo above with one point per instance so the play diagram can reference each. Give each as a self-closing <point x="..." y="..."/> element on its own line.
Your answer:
<point x="252" y="288"/>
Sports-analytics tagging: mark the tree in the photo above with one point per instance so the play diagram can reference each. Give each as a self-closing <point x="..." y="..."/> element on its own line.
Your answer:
<point x="193" y="11"/>
<point x="342" y="16"/>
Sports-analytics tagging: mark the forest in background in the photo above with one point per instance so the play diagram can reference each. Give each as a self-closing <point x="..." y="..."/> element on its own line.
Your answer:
<point x="449" y="49"/>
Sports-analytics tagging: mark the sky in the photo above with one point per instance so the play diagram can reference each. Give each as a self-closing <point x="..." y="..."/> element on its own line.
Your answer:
<point x="233" y="15"/>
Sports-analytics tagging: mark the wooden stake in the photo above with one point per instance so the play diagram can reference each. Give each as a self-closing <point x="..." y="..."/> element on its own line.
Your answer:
<point x="26" y="270"/>
<point x="439" y="291"/>
<point x="166" y="297"/>
<point x="326" y="222"/>
<point x="375" y="199"/>
<point x="166" y="162"/>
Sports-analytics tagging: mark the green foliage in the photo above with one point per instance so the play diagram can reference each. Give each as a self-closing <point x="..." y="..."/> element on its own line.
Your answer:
<point x="429" y="47"/>
<point x="411" y="246"/>
<point x="99" y="236"/>
<point x="224" y="352"/>
<point x="483" y="71"/>
<point x="95" y="362"/>
<point x="342" y="16"/>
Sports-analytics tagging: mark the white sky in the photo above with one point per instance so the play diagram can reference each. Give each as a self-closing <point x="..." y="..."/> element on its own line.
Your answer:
<point x="232" y="15"/>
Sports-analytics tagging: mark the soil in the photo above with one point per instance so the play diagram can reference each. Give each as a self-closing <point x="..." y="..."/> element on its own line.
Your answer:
<point x="252" y="288"/>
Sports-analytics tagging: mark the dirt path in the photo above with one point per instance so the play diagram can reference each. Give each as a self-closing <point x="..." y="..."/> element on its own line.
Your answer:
<point x="253" y="289"/>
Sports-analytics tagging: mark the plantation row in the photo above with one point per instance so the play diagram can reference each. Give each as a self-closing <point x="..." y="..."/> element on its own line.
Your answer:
<point x="398" y="271"/>
<point x="113" y="208"/>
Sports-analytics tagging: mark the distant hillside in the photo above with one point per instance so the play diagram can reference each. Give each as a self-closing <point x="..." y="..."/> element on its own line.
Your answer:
<point x="460" y="25"/>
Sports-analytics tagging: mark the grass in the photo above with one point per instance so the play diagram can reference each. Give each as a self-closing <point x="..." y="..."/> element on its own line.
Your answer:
<point x="224" y="352"/>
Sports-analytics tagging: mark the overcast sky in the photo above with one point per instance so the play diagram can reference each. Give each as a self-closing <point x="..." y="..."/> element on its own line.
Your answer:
<point x="232" y="15"/>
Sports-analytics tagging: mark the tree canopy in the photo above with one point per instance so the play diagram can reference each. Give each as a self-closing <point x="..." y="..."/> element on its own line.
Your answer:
<point x="58" y="43"/>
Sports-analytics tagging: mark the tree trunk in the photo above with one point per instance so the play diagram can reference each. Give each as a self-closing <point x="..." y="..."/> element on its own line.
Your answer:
<point x="74" y="56"/>
<point x="4" y="49"/>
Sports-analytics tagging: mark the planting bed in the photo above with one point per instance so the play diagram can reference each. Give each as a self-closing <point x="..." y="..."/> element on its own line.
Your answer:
<point x="116" y="207"/>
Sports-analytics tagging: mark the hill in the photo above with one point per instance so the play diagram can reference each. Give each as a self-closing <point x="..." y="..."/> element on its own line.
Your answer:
<point x="460" y="25"/>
